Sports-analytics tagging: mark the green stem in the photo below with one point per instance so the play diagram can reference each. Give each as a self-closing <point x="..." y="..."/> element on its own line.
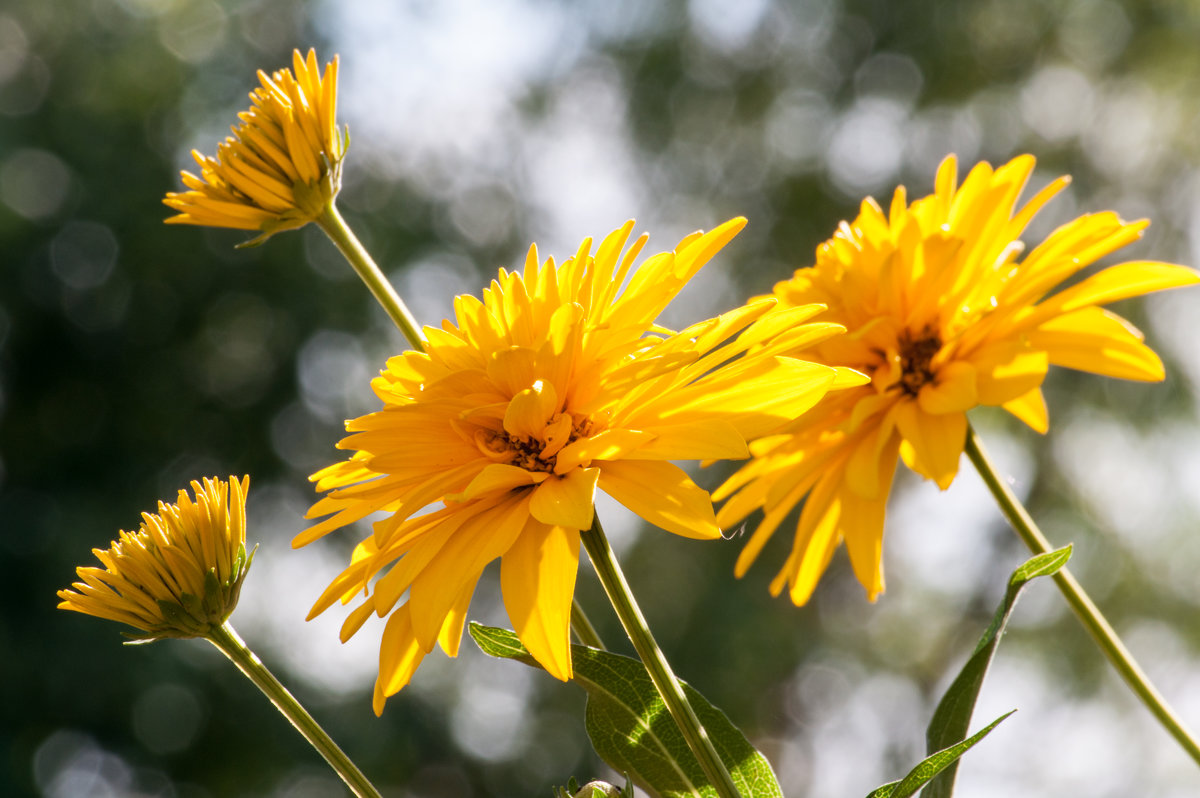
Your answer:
<point x="613" y="580"/>
<point x="1087" y="612"/>
<point x="230" y="644"/>
<point x="582" y="626"/>
<point x="340" y="233"/>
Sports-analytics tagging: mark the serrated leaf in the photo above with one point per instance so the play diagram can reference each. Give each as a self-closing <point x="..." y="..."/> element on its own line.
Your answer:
<point x="952" y="717"/>
<point x="634" y="733"/>
<point x="933" y="765"/>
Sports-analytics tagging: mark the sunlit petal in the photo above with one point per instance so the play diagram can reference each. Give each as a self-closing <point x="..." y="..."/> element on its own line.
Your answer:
<point x="537" y="576"/>
<point x="663" y="494"/>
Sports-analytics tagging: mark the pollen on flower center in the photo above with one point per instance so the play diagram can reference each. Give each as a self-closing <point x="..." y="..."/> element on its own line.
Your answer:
<point x="916" y="356"/>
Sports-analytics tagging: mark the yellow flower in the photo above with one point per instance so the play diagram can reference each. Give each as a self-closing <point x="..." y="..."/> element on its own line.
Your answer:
<point x="283" y="164"/>
<point x="180" y="574"/>
<point x="944" y="315"/>
<point x="556" y="384"/>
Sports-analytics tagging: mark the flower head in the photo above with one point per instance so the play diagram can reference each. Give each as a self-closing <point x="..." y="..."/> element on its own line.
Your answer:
<point x="177" y="576"/>
<point x="557" y="383"/>
<point x="283" y="164"/>
<point x="943" y="314"/>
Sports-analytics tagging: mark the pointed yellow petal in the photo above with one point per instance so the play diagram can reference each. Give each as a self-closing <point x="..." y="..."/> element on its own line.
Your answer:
<point x="862" y="525"/>
<point x="1096" y="340"/>
<point x="537" y="576"/>
<point x="399" y="656"/>
<point x="355" y="620"/>
<point x="816" y="539"/>
<point x="1031" y="408"/>
<point x="452" y="628"/>
<point x="1116" y="282"/>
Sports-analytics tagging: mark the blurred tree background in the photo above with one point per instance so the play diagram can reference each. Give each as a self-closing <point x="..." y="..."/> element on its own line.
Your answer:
<point x="135" y="357"/>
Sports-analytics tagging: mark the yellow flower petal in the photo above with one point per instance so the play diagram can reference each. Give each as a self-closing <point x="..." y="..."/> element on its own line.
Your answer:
<point x="932" y="445"/>
<point x="663" y="494"/>
<point x="861" y="525"/>
<point x="498" y="478"/>
<point x="459" y="563"/>
<point x="612" y="444"/>
<point x="1031" y="408"/>
<point x="399" y="656"/>
<point x="1008" y="369"/>
<point x="952" y="391"/>
<point x="567" y="500"/>
<point x="1093" y="339"/>
<point x="1116" y="282"/>
<point x="707" y="440"/>
<point x="816" y="539"/>
<point x="868" y="472"/>
<point x="537" y="576"/>
<point x="452" y="628"/>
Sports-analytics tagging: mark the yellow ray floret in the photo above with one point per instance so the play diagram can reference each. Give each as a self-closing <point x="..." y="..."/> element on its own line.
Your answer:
<point x="554" y="384"/>
<point x="943" y="314"/>
<point x="283" y="165"/>
<point x="180" y="574"/>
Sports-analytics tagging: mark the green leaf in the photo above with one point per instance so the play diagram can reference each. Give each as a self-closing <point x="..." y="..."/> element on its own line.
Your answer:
<point x="933" y="765"/>
<point x="952" y="717"/>
<point x="632" y="731"/>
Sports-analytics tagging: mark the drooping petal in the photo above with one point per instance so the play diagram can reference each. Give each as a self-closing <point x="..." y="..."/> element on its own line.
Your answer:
<point x="399" y="656"/>
<point x="932" y="445"/>
<point x="816" y="539"/>
<point x="452" y="628"/>
<point x="537" y="577"/>
<point x="459" y="563"/>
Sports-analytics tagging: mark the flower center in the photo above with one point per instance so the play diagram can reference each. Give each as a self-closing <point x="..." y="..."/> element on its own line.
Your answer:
<point x="916" y="358"/>
<point x="536" y="453"/>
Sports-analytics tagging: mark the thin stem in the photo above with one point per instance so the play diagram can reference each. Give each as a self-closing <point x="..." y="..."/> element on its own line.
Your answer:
<point x="230" y="644"/>
<point x="1087" y="612"/>
<point x="582" y="626"/>
<point x="613" y="580"/>
<point x="340" y="233"/>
